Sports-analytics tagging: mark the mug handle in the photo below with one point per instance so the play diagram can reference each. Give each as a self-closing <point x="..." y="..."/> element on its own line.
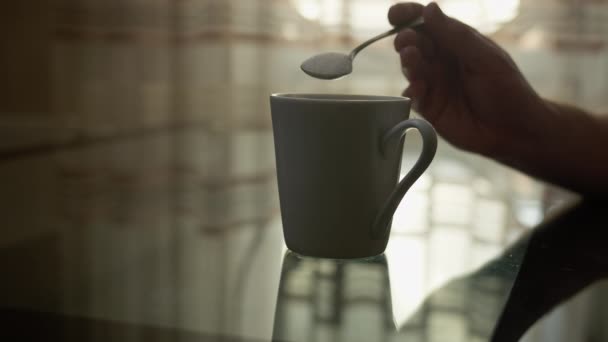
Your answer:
<point x="380" y="227"/>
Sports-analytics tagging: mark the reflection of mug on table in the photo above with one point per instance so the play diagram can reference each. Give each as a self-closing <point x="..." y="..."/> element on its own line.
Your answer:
<point x="333" y="300"/>
<point x="338" y="160"/>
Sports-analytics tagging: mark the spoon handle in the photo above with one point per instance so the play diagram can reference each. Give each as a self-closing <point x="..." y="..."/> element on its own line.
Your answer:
<point x="413" y="24"/>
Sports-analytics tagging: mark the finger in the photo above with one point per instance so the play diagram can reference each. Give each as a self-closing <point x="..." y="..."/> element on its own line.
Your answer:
<point x="456" y="37"/>
<point x="416" y="91"/>
<point x="412" y="63"/>
<point x="403" y="13"/>
<point x="409" y="37"/>
<point x="426" y="45"/>
<point x="429" y="94"/>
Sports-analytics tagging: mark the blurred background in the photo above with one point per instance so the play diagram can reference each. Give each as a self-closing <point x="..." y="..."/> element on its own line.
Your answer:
<point x="137" y="161"/>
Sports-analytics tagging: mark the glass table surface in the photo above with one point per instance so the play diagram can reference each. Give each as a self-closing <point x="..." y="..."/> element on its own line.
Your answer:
<point x="141" y="239"/>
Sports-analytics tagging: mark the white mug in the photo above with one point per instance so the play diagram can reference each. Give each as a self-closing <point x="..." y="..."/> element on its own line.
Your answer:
<point x="338" y="159"/>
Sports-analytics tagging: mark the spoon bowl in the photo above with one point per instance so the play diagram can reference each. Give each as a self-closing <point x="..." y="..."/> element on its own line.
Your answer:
<point x="328" y="66"/>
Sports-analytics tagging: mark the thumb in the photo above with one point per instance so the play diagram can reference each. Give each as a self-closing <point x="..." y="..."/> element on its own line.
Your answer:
<point x="455" y="37"/>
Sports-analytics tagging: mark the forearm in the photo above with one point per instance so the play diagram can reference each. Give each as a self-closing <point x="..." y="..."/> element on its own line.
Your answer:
<point x="569" y="149"/>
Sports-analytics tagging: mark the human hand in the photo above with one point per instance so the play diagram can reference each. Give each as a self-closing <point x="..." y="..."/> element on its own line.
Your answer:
<point x="466" y="85"/>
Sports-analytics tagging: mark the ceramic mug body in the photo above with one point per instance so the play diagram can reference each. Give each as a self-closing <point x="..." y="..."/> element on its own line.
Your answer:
<point x="336" y="169"/>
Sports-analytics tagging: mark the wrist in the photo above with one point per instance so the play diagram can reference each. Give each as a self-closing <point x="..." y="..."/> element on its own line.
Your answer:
<point x="562" y="145"/>
<point x="535" y="134"/>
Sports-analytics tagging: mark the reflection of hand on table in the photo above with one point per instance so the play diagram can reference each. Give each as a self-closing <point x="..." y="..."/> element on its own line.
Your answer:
<point x="565" y="255"/>
<point x="505" y="297"/>
<point x="472" y="303"/>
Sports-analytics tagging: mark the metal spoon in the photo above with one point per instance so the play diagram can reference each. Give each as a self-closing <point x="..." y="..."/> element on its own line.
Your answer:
<point x="332" y="65"/>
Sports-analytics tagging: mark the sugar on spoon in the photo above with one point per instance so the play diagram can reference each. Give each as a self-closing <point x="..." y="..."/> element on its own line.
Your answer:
<point x="332" y="65"/>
